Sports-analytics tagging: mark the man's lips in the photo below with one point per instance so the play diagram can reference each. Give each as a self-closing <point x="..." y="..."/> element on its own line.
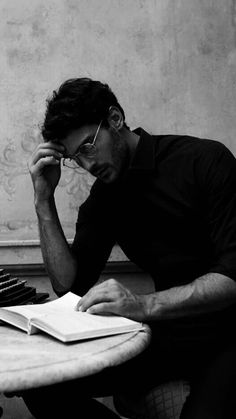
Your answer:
<point x="99" y="172"/>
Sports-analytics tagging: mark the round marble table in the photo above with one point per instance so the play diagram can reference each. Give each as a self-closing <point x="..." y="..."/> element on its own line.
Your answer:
<point x="37" y="360"/>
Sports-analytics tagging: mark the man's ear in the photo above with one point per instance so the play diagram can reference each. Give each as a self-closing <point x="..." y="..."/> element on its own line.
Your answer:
<point x="115" y="118"/>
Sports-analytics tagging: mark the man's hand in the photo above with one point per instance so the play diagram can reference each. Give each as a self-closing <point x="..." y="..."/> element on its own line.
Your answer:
<point x="44" y="167"/>
<point x="113" y="298"/>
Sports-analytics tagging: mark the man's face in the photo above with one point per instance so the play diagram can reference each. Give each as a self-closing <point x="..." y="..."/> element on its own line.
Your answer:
<point x="112" y="153"/>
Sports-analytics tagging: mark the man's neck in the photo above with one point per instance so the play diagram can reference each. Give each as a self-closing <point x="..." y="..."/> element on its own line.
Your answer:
<point x="132" y="140"/>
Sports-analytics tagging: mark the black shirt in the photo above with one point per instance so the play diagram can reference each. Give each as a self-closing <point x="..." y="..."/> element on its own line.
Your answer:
<point x="173" y="213"/>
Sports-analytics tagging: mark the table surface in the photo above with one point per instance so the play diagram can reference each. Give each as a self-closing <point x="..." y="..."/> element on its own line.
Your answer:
<point x="29" y="361"/>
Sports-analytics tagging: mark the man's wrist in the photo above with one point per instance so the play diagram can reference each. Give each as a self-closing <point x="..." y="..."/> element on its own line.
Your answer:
<point x="151" y="308"/>
<point x="45" y="208"/>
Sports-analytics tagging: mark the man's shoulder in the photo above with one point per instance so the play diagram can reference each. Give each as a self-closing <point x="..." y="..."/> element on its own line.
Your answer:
<point x="187" y="141"/>
<point x="188" y="145"/>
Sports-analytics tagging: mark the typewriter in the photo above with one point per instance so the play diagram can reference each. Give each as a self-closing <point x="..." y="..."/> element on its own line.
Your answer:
<point x="14" y="291"/>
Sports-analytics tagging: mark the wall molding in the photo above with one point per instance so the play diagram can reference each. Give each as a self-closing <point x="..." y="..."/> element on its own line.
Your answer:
<point x="28" y="252"/>
<point x="38" y="269"/>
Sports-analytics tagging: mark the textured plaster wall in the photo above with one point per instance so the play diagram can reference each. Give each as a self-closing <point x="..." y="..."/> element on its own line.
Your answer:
<point x="172" y="64"/>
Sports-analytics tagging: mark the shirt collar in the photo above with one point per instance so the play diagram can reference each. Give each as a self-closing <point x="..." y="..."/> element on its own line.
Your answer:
<point x="144" y="157"/>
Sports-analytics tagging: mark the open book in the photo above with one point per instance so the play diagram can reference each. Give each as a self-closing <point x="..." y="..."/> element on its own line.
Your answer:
<point x="60" y="319"/>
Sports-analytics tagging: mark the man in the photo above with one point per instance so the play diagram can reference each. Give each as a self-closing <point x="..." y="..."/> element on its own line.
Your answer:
<point x="170" y="203"/>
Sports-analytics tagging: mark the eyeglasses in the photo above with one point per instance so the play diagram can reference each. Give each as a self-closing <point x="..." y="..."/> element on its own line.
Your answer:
<point x="86" y="150"/>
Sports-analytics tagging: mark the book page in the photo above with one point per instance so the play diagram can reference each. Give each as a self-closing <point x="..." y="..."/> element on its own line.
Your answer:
<point x="20" y="316"/>
<point x="66" y="303"/>
<point x="75" y="325"/>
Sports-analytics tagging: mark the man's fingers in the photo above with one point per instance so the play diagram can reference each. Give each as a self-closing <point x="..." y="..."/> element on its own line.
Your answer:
<point x="94" y="296"/>
<point x="51" y="145"/>
<point x="93" y="299"/>
<point x="108" y="290"/>
<point x="103" y="308"/>
<point x="45" y="149"/>
<point x="45" y="152"/>
<point x="43" y="162"/>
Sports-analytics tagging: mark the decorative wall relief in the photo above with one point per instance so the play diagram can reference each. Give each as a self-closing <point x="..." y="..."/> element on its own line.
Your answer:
<point x="10" y="168"/>
<point x="77" y="183"/>
<point x="14" y="163"/>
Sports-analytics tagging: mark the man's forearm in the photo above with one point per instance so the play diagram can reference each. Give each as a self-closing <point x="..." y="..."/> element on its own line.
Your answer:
<point x="59" y="263"/>
<point x="208" y="293"/>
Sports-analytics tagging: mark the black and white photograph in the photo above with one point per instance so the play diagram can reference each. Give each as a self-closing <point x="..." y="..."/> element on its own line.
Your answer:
<point x="118" y="209"/>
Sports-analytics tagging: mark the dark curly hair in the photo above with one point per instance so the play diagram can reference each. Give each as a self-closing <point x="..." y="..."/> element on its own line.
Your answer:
<point x="77" y="102"/>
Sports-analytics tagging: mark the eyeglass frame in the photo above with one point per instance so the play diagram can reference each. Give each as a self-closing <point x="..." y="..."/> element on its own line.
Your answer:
<point x="91" y="145"/>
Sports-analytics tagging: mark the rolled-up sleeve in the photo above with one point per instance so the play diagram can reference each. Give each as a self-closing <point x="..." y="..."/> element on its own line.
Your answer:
<point x="219" y="186"/>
